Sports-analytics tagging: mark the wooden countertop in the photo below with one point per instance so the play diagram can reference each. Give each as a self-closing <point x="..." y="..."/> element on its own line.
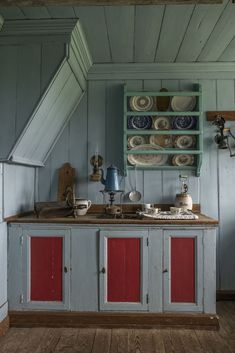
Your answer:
<point x="97" y="219"/>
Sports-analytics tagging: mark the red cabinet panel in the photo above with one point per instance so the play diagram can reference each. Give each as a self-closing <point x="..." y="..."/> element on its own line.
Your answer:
<point x="46" y="268"/>
<point x="124" y="274"/>
<point x="182" y="270"/>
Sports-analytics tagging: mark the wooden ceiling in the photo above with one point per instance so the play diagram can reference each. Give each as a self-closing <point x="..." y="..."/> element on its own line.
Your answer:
<point x="148" y="34"/>
<point x="103" y="2"/>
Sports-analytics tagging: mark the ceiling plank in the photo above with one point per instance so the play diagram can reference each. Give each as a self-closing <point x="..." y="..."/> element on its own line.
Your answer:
<point x="229" y="53"/>
<point x="176" y="19"/>
<point x="221" y="36"/>
<point x="103" y="2"/>
<point x="94" y="24"/>
<point x="12" y="13"/>
<point x="120" y="24"/>
<point x="61" y="11"/>
<point x="35" y="12"/>
<point x="148" y="21"/>
<point x="200" y="27"/>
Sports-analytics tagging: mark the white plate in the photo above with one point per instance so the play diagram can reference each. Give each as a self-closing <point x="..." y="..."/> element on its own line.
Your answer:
<point x="183" y="103"/>
<point x="162" y="123"/>
<point x="141" y="103"/>
<point x="161" y="140"/>
<point x="183" y="160"/>
<point x="136" y="140"/>
<point x="185" y="141"/>
<point x="147" y="159"/>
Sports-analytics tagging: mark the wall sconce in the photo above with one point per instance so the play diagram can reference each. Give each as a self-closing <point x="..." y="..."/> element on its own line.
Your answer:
<point x="96" y="161"/>
<point x="223" y="136"/>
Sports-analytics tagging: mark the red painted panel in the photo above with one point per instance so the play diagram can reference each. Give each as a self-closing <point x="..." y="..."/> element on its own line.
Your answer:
<point x="183" y="270"/>
<point x="46" y="268"/>
<point x="124" y="273"/>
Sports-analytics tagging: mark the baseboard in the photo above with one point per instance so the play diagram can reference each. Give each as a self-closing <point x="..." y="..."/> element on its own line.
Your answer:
<point x="225" y="295"/>
<point x="4" y="326"/>
<point x="113" y="320"/>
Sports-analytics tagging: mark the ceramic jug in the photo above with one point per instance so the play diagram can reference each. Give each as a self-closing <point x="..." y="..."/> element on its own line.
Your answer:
<point x="81" y="206"/>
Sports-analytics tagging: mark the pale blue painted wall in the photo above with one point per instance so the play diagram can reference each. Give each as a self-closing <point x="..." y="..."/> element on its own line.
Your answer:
<point x="98" y="121"/>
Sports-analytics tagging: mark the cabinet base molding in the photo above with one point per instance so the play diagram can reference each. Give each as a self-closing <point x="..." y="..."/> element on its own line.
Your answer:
<point x="4" y="326"/>
<point x="225" y="295"/>
<point x="113" y="320"/>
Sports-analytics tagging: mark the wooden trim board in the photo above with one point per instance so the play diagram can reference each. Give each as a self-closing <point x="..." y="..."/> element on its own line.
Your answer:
<point x="113" y="320"/>
<point x="227" y="115"/>
<point x="225" y="295"/>
<point x="4" y="326"/>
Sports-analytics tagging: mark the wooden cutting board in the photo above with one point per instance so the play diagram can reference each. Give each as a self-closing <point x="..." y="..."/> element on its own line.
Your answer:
<point x="67" y="179"/>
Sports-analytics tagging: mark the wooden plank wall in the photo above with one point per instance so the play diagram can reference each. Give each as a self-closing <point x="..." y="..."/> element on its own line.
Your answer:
<point x="25" y="72"/>
<point x="97" y="122"/>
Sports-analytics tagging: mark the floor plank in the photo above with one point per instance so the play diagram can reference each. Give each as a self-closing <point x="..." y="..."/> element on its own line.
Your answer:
<point x="82" y="340"/>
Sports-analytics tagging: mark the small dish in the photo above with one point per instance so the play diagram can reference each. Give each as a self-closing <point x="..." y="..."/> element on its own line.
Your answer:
<point x="161" y="123"/>
<point x="183" y="160"/>
<point x="161" y="140"/>
<point x="183" y="103"/>
<point x="139" y="122"/>
<point x="184" y="122"/>
<point x="185" y="141"/>
<point x="136" y="140"/>
<point x="141" y="103"/>
<point x="175" y="210"/>
<point x="147" y="159"/>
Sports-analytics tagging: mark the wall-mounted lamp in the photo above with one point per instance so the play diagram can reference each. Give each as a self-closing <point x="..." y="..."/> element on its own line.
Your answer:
<point x="96" y="161"/>
<point x="223" y="136"/>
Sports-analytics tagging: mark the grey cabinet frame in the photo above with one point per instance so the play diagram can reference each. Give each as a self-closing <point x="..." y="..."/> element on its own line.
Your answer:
<point x="167" y="304"/>
<point x="26" y="258"/>
<point x="114" y="233"/>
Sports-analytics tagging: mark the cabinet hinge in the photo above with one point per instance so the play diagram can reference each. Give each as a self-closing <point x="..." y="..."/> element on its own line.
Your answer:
<point x="21" y="298"/>
<point x="147" y="298"/>
<point x="21" y="240"/>
<point x="147" y="241"/>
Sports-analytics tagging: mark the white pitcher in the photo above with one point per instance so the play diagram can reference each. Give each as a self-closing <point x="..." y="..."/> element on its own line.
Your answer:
<point x="81" y="206"/>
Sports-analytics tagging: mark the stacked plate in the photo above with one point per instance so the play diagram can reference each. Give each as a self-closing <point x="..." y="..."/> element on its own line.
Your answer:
<point x="184" y="122"/>
<point x="141" y="103"/>
<point x="139" y="122"/>
<point x="147" y="159"/>
<point x="183" y="103"/>
<point x="161" y="123"/>
<point x="185" y="141"/>
<point x="161" y="140"/>
<point x="182" y="160"/>
<point x="136" y="140"/>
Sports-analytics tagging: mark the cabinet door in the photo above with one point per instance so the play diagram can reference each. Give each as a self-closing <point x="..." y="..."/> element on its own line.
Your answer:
<point x="123" y="270"/>
<point x="46" y="268"/>
<point x="182" y="273"/>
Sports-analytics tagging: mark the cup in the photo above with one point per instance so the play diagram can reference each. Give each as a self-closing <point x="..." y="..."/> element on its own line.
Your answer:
<point x="154" y="211"/>
<point x="175" y="210"/>
<point x="146" y="207"/>
<point x="81" y="206"/>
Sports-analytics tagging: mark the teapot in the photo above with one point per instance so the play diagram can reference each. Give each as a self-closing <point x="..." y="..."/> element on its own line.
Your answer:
<point x="112" y="181"/>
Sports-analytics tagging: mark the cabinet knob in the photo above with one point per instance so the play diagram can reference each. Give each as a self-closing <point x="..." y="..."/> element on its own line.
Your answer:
<point x="65" y="269"/>
<point x="103" y="270"/>
<point x="165" y="270"/>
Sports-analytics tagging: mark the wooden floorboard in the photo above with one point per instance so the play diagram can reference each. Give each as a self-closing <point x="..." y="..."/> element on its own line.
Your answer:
<point x="118" y="340"/>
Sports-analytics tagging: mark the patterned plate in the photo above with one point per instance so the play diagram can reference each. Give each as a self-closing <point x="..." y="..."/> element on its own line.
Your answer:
<point x="147" y="159"/>
<point x="185" y="141"/>
<point x="139" y="122"/>
<point x="161" y="123"/>
<point x="161" y="140"/>
<point x="141" y="103"/>
<point x="136" y="140"/>
<point x="184" y="122"/>
<point x="183" y="103"/>
<point x="183" y="160"/>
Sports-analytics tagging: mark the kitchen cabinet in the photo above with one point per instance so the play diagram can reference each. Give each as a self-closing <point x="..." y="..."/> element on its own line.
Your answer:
<point x="39" y="273"/>
<point x="153" y="268"/>
<point x="183" y="270"/>
<point x="159" y="137"/>
<point x="123" y="270"/>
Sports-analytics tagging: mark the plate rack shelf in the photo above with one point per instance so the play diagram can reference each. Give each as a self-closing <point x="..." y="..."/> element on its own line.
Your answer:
<point x="196" y="132"/>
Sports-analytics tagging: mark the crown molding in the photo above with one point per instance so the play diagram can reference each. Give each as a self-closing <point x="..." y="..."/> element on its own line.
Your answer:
<point x="150" y="71"/>
<point x="21" y="31"/>
<point x="104" y="2"/>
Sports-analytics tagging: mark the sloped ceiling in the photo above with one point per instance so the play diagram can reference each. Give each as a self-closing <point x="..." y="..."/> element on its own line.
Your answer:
<point x="147" y="34"/>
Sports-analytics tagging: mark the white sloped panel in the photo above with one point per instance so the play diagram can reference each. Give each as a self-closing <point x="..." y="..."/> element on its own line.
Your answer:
<point x="3" y="266"/>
